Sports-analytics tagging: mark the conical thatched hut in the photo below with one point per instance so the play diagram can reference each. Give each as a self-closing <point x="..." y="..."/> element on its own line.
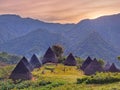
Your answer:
<point x="107" y="66"/>
<point x="35" y="61"/>
<point x="21" y="71"/>
<point x="27" y="64"/>
<point x="113" y="68"/>
<point x="93" y="67"/>
<point x="86" y="63"/>
<point x="49" y="57"/>
<point x="70" y="61"/>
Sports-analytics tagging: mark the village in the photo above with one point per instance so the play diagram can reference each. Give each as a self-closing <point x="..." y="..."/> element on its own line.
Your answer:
<point x="23" y="69"/>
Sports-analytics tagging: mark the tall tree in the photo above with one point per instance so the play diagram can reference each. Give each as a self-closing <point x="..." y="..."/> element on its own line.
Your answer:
<point x="58" y="50"/>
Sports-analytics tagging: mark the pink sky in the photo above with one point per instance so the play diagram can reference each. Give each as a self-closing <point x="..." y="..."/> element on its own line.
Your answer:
<point x="61" y="11"/>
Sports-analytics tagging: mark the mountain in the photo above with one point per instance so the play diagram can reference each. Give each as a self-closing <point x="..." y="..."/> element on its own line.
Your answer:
<point x="107" y="26"/>
<point x="95" y="37"/>
<point x="5" y="35"/>
<point x="95" y="46"/>
<point x="80" y="31"/>
<point x="34" y="42"/>
<point x="13" y="26"/>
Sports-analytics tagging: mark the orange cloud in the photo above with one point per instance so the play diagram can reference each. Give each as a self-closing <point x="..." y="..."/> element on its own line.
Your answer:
<point x="62" y="11"/>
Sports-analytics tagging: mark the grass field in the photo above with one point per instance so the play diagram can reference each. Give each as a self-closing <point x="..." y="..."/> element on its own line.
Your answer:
<point x="57" y="77"/>
<point x="69" y="75"/>
<point x="60" y="71"/>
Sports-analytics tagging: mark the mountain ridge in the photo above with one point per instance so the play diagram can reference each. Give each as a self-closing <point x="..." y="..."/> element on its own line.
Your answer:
<point x="39" y="40"/>
<point x="71" y="36"/>
<point x="17" y="26"/>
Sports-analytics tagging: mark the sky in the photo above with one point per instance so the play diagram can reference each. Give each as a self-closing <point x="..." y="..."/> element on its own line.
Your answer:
<point x="60" y="11"/>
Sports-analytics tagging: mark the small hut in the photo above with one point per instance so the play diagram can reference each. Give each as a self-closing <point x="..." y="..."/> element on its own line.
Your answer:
<point x="86" y="63"/>
<point x="107" y="66"/>
<point x="35" y="61"/>
<point x="93" y="67"/>
<point x="21" y="72"/>
<point x="49" y="57"/>
<point x="70" y="61"/>
<point x="28" y="65"/>
<point x="113" y="68"/>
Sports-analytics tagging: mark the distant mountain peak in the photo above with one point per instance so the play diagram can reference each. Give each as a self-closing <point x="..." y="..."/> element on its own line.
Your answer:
<point x="108" y="16"/>
<point x="9" y="16"/>
<point x="84" y="21"/>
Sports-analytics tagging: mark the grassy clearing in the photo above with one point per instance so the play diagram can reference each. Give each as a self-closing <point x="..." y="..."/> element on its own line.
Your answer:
<point x="60" y="77"/>
<point x="60" y="72"/>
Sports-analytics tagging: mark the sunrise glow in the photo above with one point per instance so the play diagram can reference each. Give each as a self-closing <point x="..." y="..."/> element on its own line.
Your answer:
<point x="60" y="11"/>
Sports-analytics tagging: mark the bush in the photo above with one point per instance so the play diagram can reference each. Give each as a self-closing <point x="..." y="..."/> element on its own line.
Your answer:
<point x="5" y="71"/>
<point x="100" y="78"/>
<point x="6" y="85"/>
<point x="9" y="84"/>
<point x="44" y="83"/>
<point x="52" y="85"/>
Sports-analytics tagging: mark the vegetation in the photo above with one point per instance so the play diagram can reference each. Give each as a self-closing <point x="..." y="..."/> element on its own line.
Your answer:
<point x="9" y="58"/>
<point x="101" y="62"/>
<point x="60" y="77"/>
<point x="58" y="50"/>
<point x="119" y="58"/>
<point x="5" y="71"/>
<point x="8" y="85"/>
<point x="61" y="59"/>
<point x="100" y="78"/>
<point x="79" y="62"/>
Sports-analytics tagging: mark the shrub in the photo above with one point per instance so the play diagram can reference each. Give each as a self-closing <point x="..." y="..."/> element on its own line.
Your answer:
<point x="52" y="85"/>
<point x="43" y="83"/>
<point x="100" y="78"/>
<point x="6" y="85"/>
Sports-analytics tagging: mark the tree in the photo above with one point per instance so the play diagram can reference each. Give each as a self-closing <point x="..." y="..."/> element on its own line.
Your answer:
<point x="58" y="50"/>
<point x="119" y="58"/>
<point x="101" y="62"/>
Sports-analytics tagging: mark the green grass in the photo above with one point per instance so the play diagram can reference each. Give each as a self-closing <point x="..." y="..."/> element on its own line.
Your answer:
<point x="60" y="72"/>
<point x="113" y="86"/>
<point x="5" y="71"/>
<point x="100" y="78"/>
<point x="60" y="77"/>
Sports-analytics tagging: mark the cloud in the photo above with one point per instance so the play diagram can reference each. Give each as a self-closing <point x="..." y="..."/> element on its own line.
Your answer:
<point x="63" y="11"/>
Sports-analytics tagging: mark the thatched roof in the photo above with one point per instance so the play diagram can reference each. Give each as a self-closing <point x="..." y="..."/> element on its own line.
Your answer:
<point x="49" y="57"/>
<point x="70" y="61"/>
<point x="27" y="64"/>
<point x="21" y="71"/>
<point x="35" y="61"/>
<point x="113" y="68"/>
<point x="86" y="63"/>
<point x="107" y="66"/>
<point x="93" y="67"/>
